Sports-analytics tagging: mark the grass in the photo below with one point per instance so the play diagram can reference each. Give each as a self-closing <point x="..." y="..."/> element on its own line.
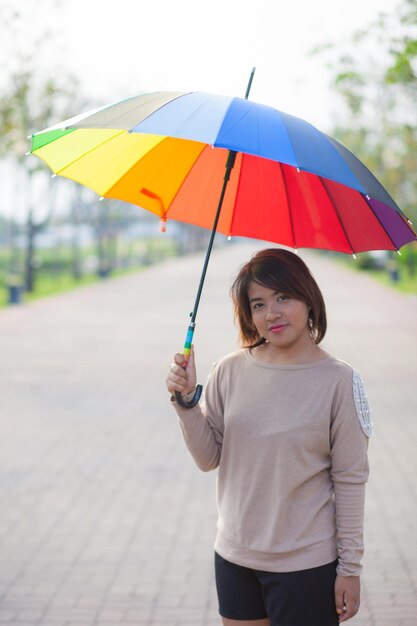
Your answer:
<point x="406" y="281"/>
<point x="54" y="275"/>
<point x="48" y="285"/>
<point x="53" y="284"/>
<point x="405" y="284"/>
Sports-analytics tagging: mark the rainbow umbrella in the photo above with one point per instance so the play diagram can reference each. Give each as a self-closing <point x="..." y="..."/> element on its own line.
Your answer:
<point x="230" y="165"/>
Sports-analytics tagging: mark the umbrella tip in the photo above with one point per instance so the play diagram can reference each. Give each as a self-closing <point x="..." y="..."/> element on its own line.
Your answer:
<point x="250" y="83"/>
<point x="163" y="225"/>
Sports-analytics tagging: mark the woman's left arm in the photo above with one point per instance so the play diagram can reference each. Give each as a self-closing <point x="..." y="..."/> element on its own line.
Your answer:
<point x="349" y="435"/>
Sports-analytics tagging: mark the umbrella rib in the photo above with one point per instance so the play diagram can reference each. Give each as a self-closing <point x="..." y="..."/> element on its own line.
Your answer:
<point x="367" y="198"/>
<point x="288" y="204"/>
<point x="205" y="145"/>
<point x="233" y="212"/>
<point x="166" y="209"/>
<point x="114" y="120"/>
<point x="336" y="212"/>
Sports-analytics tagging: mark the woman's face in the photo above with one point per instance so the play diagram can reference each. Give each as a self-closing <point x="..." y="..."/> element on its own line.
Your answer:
<point x="281" y="319"/>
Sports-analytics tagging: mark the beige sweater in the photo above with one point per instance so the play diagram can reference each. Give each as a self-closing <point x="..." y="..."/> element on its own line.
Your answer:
<point x="290" y="443"/>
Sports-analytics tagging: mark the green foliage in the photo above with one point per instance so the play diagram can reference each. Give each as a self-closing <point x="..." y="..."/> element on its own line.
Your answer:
<point x="401" y="71"/>
<point x="31" y="98"/>
<point x="399" y="272"/>
<point x="404" y="51"/>
<point x="396" y="271"/>
<point x="55" y="267"/>
<point x="32" y="95"/>
<point x="375" y="74"/>
<point x="29" y="104"/>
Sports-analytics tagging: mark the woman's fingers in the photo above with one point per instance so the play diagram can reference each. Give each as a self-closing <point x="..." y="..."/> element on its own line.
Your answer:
<point x="177" y="375"/>
<point x="179" y="359"/>
<point x="179" y="378"/>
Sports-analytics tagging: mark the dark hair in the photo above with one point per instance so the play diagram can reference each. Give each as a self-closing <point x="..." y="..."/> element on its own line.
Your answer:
<point x="284" y="271"/>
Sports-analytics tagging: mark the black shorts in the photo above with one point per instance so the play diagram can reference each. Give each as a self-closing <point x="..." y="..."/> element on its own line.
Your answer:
<point x="302" y="598"/>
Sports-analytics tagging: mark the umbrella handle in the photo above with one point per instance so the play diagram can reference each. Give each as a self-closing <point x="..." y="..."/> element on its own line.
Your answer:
<point x="188" y="404"/>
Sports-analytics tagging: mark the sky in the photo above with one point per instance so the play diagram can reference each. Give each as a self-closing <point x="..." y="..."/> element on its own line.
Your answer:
<point x="124" y="47"/>
<point x="119" y="49"/>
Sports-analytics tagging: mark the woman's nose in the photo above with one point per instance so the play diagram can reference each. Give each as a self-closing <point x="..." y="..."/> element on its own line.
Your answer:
<point x="273" y="311"/>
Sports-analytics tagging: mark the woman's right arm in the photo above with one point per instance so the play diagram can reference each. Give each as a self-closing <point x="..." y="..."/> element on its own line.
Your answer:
<point x="202" y="427"/>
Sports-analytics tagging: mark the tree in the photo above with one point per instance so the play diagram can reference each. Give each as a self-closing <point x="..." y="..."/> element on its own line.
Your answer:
<point x="30" y="104"/>
<point x="403" y="68"/>
<point x="377" y="81"/>
<point x="32" y="98"/>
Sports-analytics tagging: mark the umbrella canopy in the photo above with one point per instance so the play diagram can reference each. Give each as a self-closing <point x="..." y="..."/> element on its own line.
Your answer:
<point x="166" y="151"/>
<point x="229" y="164"/>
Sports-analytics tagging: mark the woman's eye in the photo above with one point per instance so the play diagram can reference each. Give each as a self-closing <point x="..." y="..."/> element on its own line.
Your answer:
<point x="282" y="298"/>
<point x="257" y="305"/>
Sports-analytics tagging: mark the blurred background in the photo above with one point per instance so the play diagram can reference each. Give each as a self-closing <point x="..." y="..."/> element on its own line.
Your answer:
<point x="350" y="68"/>
<point x="104" y="518"/>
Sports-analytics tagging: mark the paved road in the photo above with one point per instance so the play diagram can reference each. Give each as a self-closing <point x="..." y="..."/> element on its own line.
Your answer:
<point x="104" y="518"/>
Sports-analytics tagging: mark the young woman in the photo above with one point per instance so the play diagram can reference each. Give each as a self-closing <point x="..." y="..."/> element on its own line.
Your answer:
<point x="287" y="425"/>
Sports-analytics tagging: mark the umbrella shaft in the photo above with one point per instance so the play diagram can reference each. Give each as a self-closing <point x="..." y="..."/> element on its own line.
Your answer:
<point x="229" y="166"/>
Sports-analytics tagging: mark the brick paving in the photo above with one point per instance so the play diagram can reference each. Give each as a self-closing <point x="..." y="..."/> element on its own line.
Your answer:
<point x="104" y="519"/>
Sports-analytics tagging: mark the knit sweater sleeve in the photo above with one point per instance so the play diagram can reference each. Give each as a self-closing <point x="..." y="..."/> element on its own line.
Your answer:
<point x="350" y="430"/>
<point x="202" y="426"/>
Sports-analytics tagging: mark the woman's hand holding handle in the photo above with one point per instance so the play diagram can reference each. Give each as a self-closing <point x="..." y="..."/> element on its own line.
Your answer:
<point x="181" y="381"/>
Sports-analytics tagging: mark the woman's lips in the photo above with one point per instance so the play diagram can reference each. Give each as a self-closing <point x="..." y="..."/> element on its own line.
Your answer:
<point x="278" y="328"/>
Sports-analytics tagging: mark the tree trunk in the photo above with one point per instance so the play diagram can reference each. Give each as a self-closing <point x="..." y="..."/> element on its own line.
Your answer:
<point x="30" y="251"/>
<point x="75" y="247"/>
